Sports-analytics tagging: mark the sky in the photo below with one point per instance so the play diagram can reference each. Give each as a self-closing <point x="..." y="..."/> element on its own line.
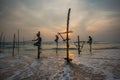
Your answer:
<point x="97" y="18"/>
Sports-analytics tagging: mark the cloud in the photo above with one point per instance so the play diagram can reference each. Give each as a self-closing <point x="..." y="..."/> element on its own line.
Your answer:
<point x="88" y="17"/>
<point x="104" y="28"/>
<point x="100" y="5"/>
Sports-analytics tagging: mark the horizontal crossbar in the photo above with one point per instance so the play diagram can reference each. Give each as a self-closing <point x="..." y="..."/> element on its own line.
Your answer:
<point x="65" y="32"/>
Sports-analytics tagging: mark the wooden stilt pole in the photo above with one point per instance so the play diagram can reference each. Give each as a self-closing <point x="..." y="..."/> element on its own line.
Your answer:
<point x="3" y="45"/>
<point x="78" y="45"/>
<point x="1" y="41"/>
<point x="90" y="47"/>
<point x="23" y="42"/>
<point x="13" y="45"/>
<point x="18" y="41"/>
<point x="57" y="47"/>
<point x="67" y="36"/>
<point x="38" y="51"/>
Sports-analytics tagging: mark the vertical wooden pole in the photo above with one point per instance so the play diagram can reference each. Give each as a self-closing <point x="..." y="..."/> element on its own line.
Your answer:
<point x="18" y="41"/>
<point x="1" y="41"/>
<point x="67" y="36"/>
<point x="90" y="47"/>
<point x="56" y="47"/>
<point x="23" y="42"/>
<point x="78" y="45"/>
<point x="3" y="45"/>
<point x="38" y="51"/>
<point x="13" y="45"/>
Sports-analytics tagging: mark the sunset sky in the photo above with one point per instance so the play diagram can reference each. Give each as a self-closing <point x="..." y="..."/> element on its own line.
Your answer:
<point x="98" y="18"/>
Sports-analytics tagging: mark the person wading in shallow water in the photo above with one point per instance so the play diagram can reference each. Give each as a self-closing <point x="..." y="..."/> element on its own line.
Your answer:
<point x="38" y="43"/>
<point x="90" y="43"/>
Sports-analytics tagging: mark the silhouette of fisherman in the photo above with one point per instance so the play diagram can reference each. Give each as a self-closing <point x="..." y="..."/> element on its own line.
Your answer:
<point x="90" y="42"/>
<point x="38" y="43"/>
<point x="56" y="40"/>
<point x="39" y="39"/>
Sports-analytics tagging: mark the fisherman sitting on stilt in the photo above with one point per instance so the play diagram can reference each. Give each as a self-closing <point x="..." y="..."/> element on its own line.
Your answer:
<point x="39" y="39"/>
<point x="38" y="43"/>
<point x="90" y="42"/>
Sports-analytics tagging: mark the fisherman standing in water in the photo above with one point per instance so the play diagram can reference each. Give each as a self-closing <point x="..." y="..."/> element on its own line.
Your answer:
<point x="90" y="43"/>
<point x="38" y="43"/>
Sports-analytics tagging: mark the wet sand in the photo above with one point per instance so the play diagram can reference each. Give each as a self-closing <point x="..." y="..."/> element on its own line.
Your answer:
<point x="26" y="67"/>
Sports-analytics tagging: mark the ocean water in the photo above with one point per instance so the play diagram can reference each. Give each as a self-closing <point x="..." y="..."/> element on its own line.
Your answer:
<point x="48" y="47"/>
